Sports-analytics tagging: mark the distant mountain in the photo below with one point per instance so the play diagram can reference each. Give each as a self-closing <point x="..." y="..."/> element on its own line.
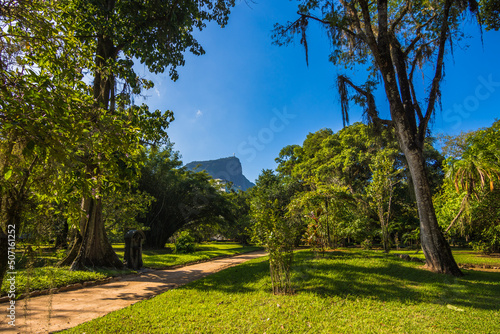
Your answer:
<point x="228" y="169"/>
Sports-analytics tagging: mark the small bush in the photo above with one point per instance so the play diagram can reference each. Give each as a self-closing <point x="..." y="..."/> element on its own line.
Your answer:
<point x="367" y="244"/>
<point x="184" y="243"/>
<point x="481" y="246"/>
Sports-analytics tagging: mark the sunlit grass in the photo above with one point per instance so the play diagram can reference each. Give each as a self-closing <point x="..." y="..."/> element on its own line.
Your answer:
<point x="347" y="291"/>
<point x="462" y="256"/>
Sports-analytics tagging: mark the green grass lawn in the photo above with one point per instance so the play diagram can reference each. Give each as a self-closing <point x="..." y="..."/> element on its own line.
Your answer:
<point x="45" y="276"/>
<point x="346" y="291"/>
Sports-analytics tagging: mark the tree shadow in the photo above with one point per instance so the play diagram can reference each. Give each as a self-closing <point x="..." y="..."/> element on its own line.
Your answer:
<point x="388" y="279"/>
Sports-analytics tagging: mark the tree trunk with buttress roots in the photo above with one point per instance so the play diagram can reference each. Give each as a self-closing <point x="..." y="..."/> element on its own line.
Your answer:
<point x="95" y="249"/>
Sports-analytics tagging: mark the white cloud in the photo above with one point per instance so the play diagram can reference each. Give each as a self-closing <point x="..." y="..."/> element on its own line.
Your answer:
<point x="199" y="114"/>
<point x="157" y="92"/>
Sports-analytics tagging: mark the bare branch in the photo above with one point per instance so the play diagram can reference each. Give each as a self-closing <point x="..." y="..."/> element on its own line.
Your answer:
<point x="400" y="17"/>
<point x="370" y="110"/>
<point x="419" y="34"/>
<point x="329" y="24"/>
<point x="434" y="92"/>
<point x="356" y="21"/>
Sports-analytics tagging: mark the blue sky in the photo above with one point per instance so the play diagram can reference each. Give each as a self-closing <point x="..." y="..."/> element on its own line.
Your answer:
<point x="249" y="98"/>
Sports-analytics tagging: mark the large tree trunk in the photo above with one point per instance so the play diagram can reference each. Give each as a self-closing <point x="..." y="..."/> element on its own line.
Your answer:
<point x="12" y="206"/>
<point x="437" y="252"/>
<point x="411" y="138"/>
<point x="73" y="252"/>
<point x="95" y="249"/>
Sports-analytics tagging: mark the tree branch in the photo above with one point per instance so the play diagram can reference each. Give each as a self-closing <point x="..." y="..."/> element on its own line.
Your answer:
<point x="357" y="23"/>
<point x="371" y="109"/>
<point x="419" y="35"/>
<point x="434" y="93"/>
<point x="400" y="17"/>
<point x="462" y="206"/>
<point x="329" y="24"/>
<point x="365" y="12"/>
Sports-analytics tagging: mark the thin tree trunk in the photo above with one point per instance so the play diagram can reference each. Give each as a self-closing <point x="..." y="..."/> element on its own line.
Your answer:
<point x="462" y="206"/>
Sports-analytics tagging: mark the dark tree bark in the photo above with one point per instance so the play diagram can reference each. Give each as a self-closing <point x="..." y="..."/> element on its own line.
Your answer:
<point x="437" y="252"/>
<point x="95" y="249"/>
<point x="411" y="136"/>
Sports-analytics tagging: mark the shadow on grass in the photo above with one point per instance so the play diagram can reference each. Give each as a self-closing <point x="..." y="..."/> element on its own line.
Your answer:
<point x="366" y="275"/>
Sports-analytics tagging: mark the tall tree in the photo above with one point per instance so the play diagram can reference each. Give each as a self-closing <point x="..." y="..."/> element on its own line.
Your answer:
<point x="157" y="33"/>
<point x="42" y="104"/>
<point x="393" y="39"/>
<point x="381" y="189"/>
<point x="472" y="176"/>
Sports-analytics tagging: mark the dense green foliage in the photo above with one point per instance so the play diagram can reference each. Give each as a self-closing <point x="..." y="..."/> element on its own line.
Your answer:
<point x="468" y="201"/>
<point x="71" y="151"/>
<point x="343" y="292"/>
<point x="354" y="186"/>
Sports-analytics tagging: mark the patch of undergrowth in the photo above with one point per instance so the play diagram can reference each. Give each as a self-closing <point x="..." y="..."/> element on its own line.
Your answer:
<point x="340" y="292"/>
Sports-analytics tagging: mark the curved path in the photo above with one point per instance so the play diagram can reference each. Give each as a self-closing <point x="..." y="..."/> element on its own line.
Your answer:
<point x="68" y="309"/>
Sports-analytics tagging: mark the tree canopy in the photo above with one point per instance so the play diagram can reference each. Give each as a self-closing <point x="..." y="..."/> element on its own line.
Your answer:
<point x="393" y="41"/>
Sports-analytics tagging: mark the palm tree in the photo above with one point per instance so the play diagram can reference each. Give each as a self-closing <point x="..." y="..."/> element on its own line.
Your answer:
<point x="471" y="174"/>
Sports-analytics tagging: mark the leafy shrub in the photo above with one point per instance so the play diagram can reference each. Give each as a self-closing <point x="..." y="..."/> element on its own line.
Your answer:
<point x="184" y="243"/>
<point x="367" y="244"/>
<point x="481" y="246"/>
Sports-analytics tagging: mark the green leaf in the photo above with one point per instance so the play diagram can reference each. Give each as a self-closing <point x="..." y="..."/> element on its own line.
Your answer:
<point x="8" y="173"/>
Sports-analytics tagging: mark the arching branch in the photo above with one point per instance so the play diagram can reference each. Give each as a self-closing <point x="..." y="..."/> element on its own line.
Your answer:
<point x="343" y="83"/>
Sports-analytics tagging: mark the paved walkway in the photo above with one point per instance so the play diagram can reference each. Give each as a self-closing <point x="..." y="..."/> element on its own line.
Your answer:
<point x="68" y="309"/>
